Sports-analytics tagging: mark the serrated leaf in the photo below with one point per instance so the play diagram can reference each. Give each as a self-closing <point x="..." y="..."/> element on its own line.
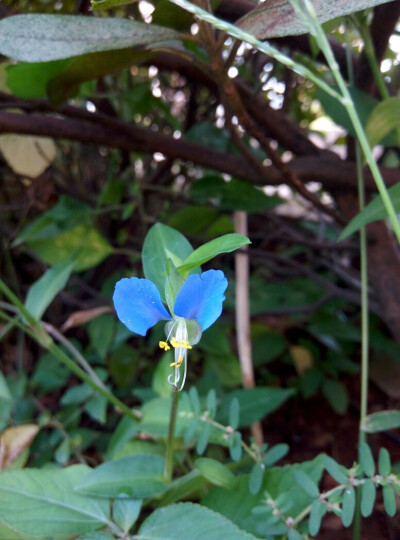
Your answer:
<point x="307" y="483"/>
<point x="216" y="473"/>
<point x="382" y="421"/>
<point x="384" y="464"/>
<point x="206" y="252"/>
<point x="367" y="459"/>
<point x="179" y="521"/>
<point x="137" y="477"/>
<point x="45" y="289"/>
<point x="42" y="37"/>
<point x="277" y="18"/>
<point x="256" y="478"/>
<point x="51" y="506"/>
<point x="161" y="244"/>
<point x="384" y="118"/>
<point x="348" y="506"/>
<point x="234" y="413"/>
<point x="368" y="494"/>
<point x="389" y="500"/>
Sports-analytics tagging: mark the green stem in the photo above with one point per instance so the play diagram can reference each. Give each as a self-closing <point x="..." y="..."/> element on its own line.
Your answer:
<point x="169" y="457"/>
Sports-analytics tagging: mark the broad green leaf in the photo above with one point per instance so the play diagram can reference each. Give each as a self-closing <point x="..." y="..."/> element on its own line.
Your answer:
<point x="83" y="243"/>
<point x="389" y="500"/>
<point x="181" y="521"/>
<point x="168" y="14"/>
<point x="96" y="536"/>
<point x="41" y="38"/>
<point x="223" y="244"/>
<point x="233" y="195"/>
<point x="44" y="503"/>
<point x="255" y="403"/>
<point x="293" y="534"/>
<point x="83" y="68"/>
<point x="256" y="478"/>
<point x="96" y="407"/>
<point x="384" y="462"/>
<point x="382" y="421"/>
<point x="137" y="477"/>
<point x="368" y="494"/>
<point x="374" y="211"/>
<point x="272" y="18"/>
<point x="384" y="118"/>
<point x="367" y="459"/>
<point x="348" y="506"/>
<point x="163" y="243"/>
<point x="125" y="512"/>
<point x="215" y="472"/>
<point x="45" y="289"/>
<point x="307" y="483"/>
<point x="38" y="74"/>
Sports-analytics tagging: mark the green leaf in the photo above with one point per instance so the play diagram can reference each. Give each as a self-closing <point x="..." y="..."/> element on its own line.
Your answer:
<point x="173" y="284"/>
<point x="384" y="118"/>
<point x="191" y="430"/>
<point x="389" y="500"/>
<point x="336" y="394"/>
<point x="256" y="478"/>
<point x="235" y="446"/>
<point x="212" y="403"/>
<point x="272" y="19"/>
<point x="41" y="38"/>
<point x="4" y="390"/>
<point x="374" y="211"/>
<point x="96" y="407"/>
<point x="45" y="289"/>
<point x="179" y="521"/>
<point x="232" y="195"/>
<point x="335" y="470"/>
<point x="368" y="494"/>
<point x="215" y="472"/>
<point x="125" y="512"/>
<point x="201" y="221"/>
<point x="234" y="413"/>
<point x="275" y="453"/>
<point x="137" y="476"/>
<point x="194" y="400"/>
<point x="255" y="403"/>
<point x="223" y="244"/>
<point x="384" y="464"/>
<point x="317" y="511"/>
<point x="51" y="506"/>
<point x="99" y="5"/>
<point x="367" y="459"/>
<point x="159" y="382"/>
<point x="95" y="536"/>
<point x="307" y="483"/>
<point x="38" y="75"/>
<point x="203" y="439"/>
<point x="292" y="534"/>
<point x="348" y="506"/>
<point x="382" y="421"/>
<point x="163" y="243"/>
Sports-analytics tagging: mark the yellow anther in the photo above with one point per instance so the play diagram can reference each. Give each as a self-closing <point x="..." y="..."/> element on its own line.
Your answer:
<point x="164" y="345"/>
<point x="178" y="363"/>
<point x="183" y="344"/>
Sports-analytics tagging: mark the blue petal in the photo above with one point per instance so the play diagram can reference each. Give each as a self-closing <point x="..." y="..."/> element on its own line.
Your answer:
<point x="201" y="297"/>
<point x="138" y="304"/>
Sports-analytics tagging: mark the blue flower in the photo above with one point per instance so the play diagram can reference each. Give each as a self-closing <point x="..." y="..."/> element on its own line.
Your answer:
<point x="198" y="305"/>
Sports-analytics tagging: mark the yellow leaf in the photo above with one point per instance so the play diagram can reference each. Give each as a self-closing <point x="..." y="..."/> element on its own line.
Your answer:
<point x="27" y="155"/>
<point x="13" y="442"/>
<point x="302" y="358"/>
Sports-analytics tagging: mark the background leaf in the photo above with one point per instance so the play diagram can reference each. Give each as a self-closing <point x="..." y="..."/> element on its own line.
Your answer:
<point x="382" y="421"/>
<point x="384" y="118"/>
<point x="41" y="38"/>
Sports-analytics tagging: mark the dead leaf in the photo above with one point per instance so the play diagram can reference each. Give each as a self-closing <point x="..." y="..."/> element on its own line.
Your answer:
<point x="81" y="317"/>
<point x="14" y="440"/>
<point x="302" y="358"/>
